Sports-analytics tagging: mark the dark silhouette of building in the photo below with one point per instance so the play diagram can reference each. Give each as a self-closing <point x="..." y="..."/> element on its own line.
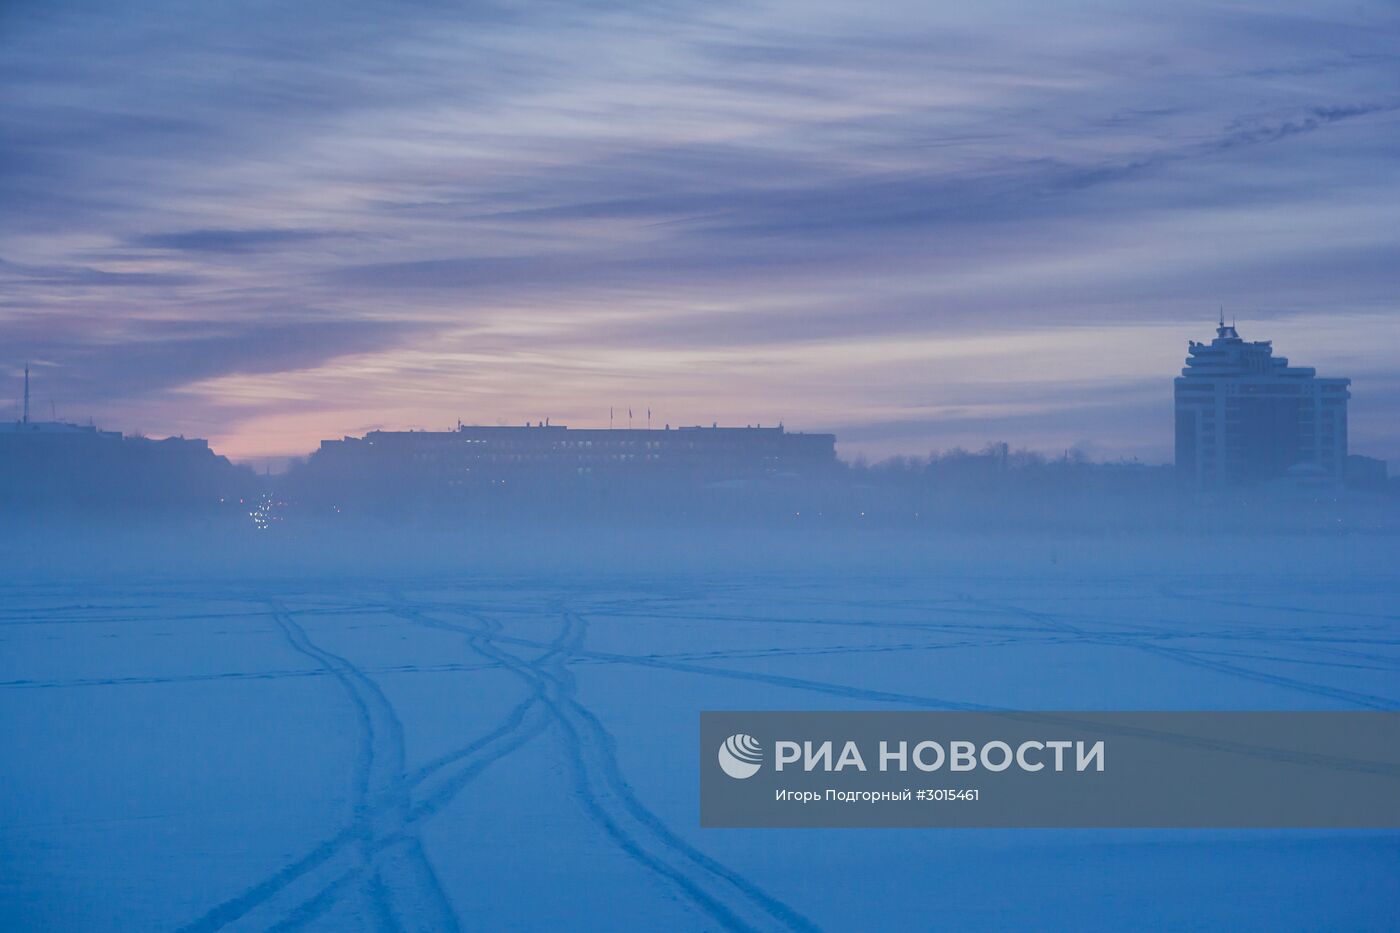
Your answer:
<point x="473" y="457"/>
<point x="1244" y="417"/>
<point x="47" y="464"/>
<point x="1366" y="473"/>
<point x="484" y="453"/>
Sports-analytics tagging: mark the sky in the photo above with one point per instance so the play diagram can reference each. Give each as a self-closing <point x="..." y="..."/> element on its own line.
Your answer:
<point x="919" y="225"/>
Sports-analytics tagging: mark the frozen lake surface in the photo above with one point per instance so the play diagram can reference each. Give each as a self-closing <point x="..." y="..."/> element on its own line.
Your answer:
<point x="517" y="750"/>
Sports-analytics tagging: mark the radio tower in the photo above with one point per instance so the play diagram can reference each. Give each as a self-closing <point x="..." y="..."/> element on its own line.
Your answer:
<point x="26" y="393"/>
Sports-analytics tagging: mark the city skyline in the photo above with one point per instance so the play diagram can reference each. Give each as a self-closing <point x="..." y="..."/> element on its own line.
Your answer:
<point x="913" y="227"/>
<point x="629" y="419"/>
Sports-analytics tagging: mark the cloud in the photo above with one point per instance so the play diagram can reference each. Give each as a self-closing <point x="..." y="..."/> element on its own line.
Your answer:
<point x="135" y="360"/>
<point x="613" y="197"/>
<point x="81" y="276"/>
<point x="225" y="241"/>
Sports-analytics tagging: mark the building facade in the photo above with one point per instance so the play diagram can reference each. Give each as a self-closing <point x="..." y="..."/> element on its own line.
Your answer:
<point x="1245" y="417"/>
<point x="476" y="455"/>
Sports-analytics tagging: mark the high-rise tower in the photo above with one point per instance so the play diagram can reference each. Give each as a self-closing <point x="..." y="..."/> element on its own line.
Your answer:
<point x="1244" y="416"/>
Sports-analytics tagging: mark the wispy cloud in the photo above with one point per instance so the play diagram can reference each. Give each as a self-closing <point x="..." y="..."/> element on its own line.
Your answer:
<point x="224" y="241"/>
<point x="277" y="222"/>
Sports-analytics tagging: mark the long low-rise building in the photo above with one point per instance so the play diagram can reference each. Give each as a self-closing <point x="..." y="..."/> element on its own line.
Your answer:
<point x="477" y="454"/>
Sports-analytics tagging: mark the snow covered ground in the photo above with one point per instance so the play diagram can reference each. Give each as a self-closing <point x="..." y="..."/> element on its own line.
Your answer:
<point x="515" y="749"/>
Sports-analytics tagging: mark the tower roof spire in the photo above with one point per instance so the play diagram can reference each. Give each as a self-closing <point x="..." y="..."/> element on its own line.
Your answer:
<point x="1226" y="331"/>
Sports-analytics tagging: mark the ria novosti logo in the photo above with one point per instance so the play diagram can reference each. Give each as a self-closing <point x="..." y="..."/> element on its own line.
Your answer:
<point x="741" y="756"/>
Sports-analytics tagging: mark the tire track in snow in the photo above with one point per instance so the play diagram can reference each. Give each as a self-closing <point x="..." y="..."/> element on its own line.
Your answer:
<point x="446" y="668"/>
<point x="777" y="680"/>
<point x="723" y="894"/>
<point x="517" y="729"/>
<point x="1186" y="656"/>
<point x="917" y="701"/>
<point x="1182" y="593"/>
<point x="475" y="757"/>
<point x="377" y="771"/>
<point x="147" y="679"/>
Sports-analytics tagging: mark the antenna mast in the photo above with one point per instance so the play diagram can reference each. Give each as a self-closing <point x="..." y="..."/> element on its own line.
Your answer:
<point x="26" y="393"/>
